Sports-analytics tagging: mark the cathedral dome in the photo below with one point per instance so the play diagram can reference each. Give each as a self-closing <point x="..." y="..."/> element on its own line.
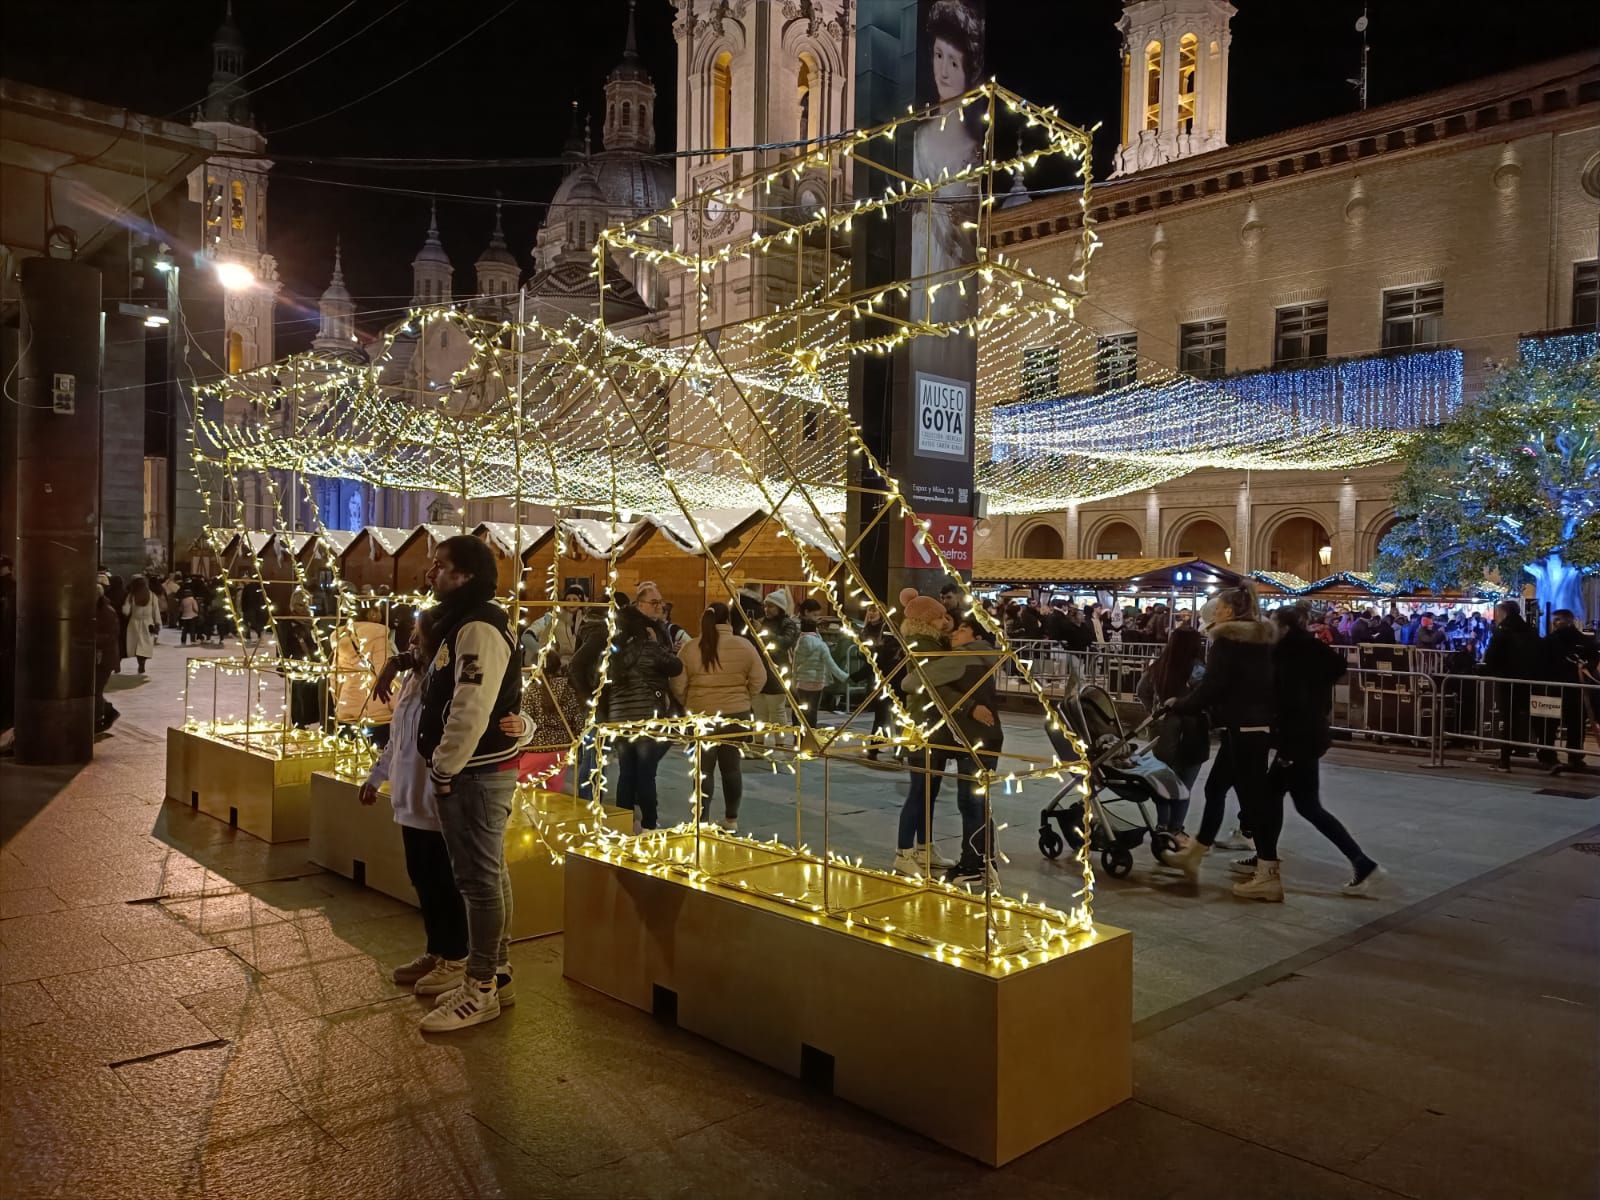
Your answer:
<point x="627" y="184"/>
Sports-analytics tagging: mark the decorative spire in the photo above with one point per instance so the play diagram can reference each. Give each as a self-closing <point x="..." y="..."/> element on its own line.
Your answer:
<point x="338" y="269"/>
<point x="630" y="97"/>
<point x="572" y="148"/>
<point x="630" y="47"/>
<point x="225" y="97"/>
<point x="433" y="219"/>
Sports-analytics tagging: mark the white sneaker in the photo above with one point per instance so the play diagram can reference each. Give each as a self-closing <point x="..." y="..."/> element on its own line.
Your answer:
<point x="1236" y="841"/>
<point x="908" y="862"/>
<point x="408" y="973"/>
<point x="472" y="1003"/>
<point x="730" y="824"/>
<point x="1265" y="884"/>
<point x="447" y="974"/>
<point x="934" y="856"/>
<point x="505" y="986"/>
<point x="1243" y="866"/>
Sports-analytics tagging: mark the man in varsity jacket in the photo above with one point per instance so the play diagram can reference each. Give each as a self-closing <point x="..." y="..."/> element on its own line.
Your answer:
<point x="473" y="681"/>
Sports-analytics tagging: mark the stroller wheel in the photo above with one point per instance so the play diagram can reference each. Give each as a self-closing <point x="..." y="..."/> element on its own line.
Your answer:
<point x="1051" y="843"/>
<point x="1116" y="862"/>
<point x="1161" y="845"/>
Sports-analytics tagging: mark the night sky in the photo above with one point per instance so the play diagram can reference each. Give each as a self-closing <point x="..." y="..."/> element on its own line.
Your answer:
<point x="506" y="93"/>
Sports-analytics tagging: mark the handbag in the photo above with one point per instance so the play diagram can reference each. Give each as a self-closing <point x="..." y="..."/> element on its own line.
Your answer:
<point x="558" y="712"/>
<point x="1181" y="740"/>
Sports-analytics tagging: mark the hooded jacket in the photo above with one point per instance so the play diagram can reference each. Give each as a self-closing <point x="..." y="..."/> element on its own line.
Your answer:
<point x="1236" y="689"/>
<point x="1303" y="674"/>
<point x="780" y="635"/>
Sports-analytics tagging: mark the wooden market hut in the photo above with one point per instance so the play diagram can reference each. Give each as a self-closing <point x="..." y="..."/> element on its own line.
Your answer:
<point x="765" y="556"/>
<point x="667" y="551"/>
<point x="512" y="548"/>
<point x="587" y="544"/>
<point x="368" y="562"/>
<point x="415" y="556"/>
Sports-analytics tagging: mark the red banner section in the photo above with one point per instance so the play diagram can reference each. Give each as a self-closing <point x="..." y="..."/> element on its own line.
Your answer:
<point x="952" y="535"/>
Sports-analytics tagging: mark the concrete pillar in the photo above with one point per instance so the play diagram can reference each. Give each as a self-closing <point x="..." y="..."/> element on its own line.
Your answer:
<point x="1152" y="524"/>
<point x="1070" y="543"/>
<point x="1344" y="538"/>
<point x="1242" y="531"/>
<point x="57" y="475"/>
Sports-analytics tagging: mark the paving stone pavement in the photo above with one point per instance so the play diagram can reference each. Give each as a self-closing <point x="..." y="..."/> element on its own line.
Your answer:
<point x="186" y="1011"/>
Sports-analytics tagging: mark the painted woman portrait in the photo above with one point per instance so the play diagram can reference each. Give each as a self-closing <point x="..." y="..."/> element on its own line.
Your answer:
<point x="948" y="141"/>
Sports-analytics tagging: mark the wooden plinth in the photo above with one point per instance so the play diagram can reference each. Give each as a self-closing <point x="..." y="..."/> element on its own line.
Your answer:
<point x="988" y="1060"/>
<point x="265" y="795"/>
<point x="362" y="842"/>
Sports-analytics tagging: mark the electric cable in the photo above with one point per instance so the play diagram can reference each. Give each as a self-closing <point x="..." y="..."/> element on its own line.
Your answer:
<point x="193" y="104"/>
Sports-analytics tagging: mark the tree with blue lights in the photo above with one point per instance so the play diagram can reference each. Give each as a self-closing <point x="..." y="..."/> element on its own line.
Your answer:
<point x="1511" y="486"/>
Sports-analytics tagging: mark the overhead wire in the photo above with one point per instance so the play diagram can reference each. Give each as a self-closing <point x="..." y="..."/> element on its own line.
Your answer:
<point x="499" y="12"/>
<point x="271" y="58"/>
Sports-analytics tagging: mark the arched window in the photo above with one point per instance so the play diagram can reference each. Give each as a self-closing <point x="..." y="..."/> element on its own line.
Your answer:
<point x="805" y="81"/>
<point x="1152" y="86"/>
<point x="722" y="101"/>
<point x="235" y="352"/>
<point x="627" y="114"/>
<point x="236" y="207"/>
<point x="1188" y="59"/>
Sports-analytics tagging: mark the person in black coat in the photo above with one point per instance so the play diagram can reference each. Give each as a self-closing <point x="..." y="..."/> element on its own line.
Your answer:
<point x="1236" y="692"/>
<point x="1513" y="653"/>
<point x="1303" y="674"/>
<point x="1572" y="657"/>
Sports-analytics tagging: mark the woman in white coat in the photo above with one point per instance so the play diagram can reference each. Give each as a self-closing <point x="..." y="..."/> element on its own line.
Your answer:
<point x="361" y="650"/>
<point x="144" y="619"/>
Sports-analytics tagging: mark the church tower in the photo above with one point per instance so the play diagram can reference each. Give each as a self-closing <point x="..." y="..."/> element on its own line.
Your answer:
<point x="232" y="189"/>
<point x="752" y="72"/>
<point x="431" y="271"/>
<point x="1174" y="80"/>
<point x="497" y="267"/>
<point x="630" y="100"/>
<point x="336" y="336"/>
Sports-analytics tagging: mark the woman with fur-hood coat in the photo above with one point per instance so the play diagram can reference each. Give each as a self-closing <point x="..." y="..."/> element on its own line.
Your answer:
<point x="1237" y="694"/>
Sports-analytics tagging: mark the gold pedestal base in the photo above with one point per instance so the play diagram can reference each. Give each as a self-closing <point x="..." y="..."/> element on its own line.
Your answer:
<point x="255" y="790"/>
<point x="990" y="1058"/>
<point x="362" y="842"/>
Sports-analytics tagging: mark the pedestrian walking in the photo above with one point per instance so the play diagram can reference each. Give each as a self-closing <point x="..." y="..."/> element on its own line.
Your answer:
<point x="721" y="674"/>
<point x="1236" y="693"/>
<point x="1182" y="741"/>
<point x="107" y="646"/>
<point x="143" y="617"/>
<point x="1303" y="674"/>
<point x="472" y="682"/>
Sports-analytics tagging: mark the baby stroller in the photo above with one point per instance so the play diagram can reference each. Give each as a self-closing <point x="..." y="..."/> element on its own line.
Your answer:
<point x="1124" y="781"/>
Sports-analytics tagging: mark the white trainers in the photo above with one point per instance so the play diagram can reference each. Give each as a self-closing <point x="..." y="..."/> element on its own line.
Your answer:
<point x="446" y="975"/>
<point x="908" y="862"/>
<point x="1265" y="884"/>
<point x="1236" y="841"/>
<point x="730" y="824"/>
<point x="934" y="856"/>
<point x="505" y="986"/>
<point x="408" y="973"/>
<point x="472" y="1003"/>
<point x="1243" y="866"/>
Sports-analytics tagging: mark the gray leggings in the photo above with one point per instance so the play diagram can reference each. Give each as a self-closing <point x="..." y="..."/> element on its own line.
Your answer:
<point x="723" y="756"/>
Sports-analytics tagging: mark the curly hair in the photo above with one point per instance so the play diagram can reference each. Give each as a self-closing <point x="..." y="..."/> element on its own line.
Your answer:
<point x="957" y="22"/>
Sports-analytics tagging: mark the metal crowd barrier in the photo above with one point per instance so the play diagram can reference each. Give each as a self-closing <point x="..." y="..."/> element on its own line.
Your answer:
<point x="1556" y="721"/>
<point x="1380" y="705"/>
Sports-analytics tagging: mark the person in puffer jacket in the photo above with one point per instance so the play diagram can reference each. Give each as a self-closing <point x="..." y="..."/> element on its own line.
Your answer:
<point x="361" y="650"/>
<point x="721" y="672"/>
<point x="814" y="670"/>
<point x="1236" y="691"/>
<point x="638" y="688"/>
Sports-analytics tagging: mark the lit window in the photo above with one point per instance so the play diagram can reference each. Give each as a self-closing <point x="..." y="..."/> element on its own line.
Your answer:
<point x="1116" y="361"/>
<point x="803" y="80"/>
<point x="1188" y="58"/>
<point x="1041" y="372"/>
<point x="236" y="212"/>
<point x="722" y="101"/>
<point x="1301" y="335"/>
<point x="1152" y="86"/>
<point x="235" y="352"/>
<point x="1586" y="294"/>
<point x="1203" y="348"/>
<point x="1413" y="318"/>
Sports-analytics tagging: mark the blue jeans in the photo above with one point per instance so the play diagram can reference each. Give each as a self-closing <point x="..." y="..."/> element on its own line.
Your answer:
<point x="637" y="759"/>
<point x="926" y="765"/>
<point x="473" y="817"/>
<point x="585" y="767"/>
<point x="977" y="831"/>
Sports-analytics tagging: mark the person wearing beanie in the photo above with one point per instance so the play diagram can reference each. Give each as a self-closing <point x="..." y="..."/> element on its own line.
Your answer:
<point x="779" y="633"/>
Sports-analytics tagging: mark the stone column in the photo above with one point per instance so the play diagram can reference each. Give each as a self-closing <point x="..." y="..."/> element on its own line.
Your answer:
<point x="1241" y="531"/>
<point x="1152" y="524"/>
<point x="1344" y="538"/>
<point x="1070" y="546"/>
